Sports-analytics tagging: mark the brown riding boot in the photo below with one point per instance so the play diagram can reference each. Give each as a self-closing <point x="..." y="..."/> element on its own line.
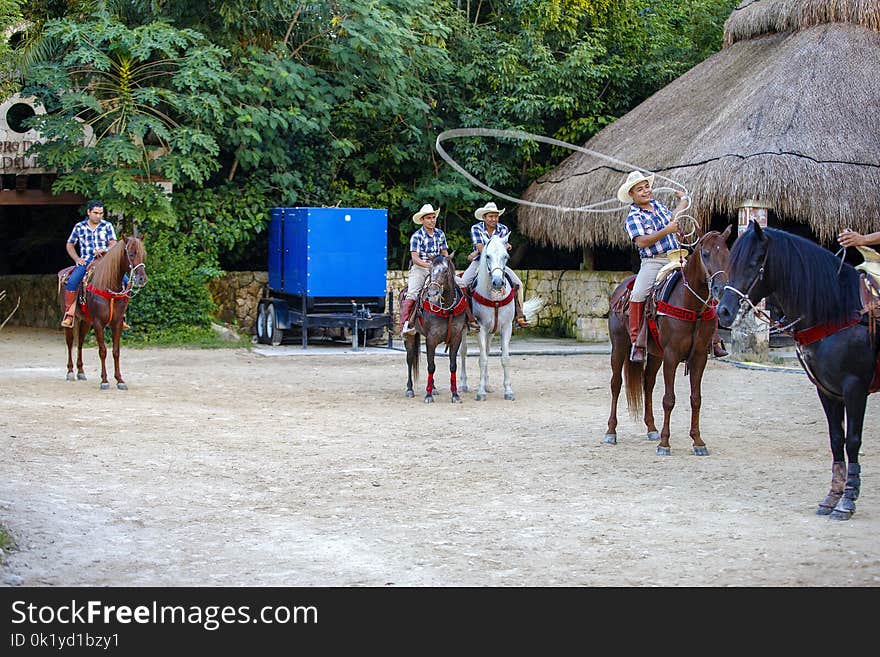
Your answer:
<point x="636" y="314"/>
<point x="718" y="347"/>
<point x="70" y="304"/>
<point x="405" y="311"/>
<point x="469" y="312"/>
<point x="521" y="321"/>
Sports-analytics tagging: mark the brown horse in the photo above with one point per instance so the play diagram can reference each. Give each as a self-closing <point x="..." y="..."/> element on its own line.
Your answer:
<point x="112" y="281"/>
<point x="685" y="324"/>
<point x="440" y="318"/>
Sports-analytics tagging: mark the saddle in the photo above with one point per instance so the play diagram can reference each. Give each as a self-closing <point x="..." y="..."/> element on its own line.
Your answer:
<point x="64" y="275"/>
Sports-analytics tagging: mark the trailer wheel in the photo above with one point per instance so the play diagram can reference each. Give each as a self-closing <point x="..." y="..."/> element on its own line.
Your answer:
<point x="261" y="323"/>
<point x="274" y="335"/>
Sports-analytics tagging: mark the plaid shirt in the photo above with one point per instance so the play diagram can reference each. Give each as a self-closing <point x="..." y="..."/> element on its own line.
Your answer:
<point x="91" y="240"/>
<point x="427" y="246"/>
<point x="644" y="222"/>
<point x="480" y="236"/>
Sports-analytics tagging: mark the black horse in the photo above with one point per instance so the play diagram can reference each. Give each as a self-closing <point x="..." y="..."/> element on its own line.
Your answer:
<point x="440" y="317"/>
<point x="819" y="296"/>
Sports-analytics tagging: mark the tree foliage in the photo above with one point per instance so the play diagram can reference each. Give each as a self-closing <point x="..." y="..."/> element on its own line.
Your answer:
<point x="250" y="104"/>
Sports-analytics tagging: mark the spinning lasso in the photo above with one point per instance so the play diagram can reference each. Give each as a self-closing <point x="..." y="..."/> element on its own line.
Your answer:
<point x="600" y="207"/>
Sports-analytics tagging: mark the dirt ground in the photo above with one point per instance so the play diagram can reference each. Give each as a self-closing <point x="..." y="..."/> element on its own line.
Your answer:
<point x="227" y="467"/>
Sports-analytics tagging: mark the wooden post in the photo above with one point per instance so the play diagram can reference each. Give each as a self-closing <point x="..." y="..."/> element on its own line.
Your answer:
<point x="749" y="336"/>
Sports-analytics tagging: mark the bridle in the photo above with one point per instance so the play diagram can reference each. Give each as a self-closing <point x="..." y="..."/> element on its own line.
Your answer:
<point x="130" y="289"/>
<point x="441" y="288"/>
<point x="760" y="314"/>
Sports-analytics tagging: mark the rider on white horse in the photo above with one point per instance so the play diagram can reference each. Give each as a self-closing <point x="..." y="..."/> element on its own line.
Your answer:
<point x="481" y="233"/>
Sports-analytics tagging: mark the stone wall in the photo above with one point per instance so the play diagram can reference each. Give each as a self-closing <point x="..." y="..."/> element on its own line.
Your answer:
<point x="576" y="302"/>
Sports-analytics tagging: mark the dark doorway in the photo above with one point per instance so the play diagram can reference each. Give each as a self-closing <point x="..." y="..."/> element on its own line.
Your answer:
<point x="32" y="238"/>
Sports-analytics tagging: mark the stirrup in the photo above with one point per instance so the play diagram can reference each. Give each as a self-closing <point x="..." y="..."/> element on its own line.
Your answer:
<point x="637" y="354"/>
<point x="67" y="321"/>
<point x="125" y="325"/>
<point x="522" y="322"/>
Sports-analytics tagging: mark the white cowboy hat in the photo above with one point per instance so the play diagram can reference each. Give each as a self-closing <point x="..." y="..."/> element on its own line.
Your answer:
<point x="633" y="179"/>
<point x="427" y="208"/>
<point x="489" y="207"/>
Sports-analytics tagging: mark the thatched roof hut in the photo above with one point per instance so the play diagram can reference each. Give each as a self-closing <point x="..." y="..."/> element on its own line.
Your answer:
<point x="786" y="114"/>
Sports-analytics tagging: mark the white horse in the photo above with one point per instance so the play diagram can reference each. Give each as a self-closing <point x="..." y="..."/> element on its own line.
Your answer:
<point x="493" y="307"/>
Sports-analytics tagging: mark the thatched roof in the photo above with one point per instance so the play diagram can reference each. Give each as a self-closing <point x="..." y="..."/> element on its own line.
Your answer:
<point x="791" y="120"/>
<point x="757" y="17"/>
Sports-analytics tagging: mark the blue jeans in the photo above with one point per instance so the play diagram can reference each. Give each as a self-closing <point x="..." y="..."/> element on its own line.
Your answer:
<point x="76" y="277"/>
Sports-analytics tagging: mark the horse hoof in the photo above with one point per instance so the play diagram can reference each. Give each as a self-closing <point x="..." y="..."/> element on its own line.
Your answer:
<point x="71" y="377"/>
<point x="429" y="399"/>
<point x="81" y="376"/>
<point x="824" y="510"/>
<point x="653" y="435"/>
<point x="509" y="396"/>
<point x="409" y="393"/>
<point x="480" y="397"/>
<point x="701" y="450"/>
<point x="105" y="386"/>
<point x="456" y="399"/>
<point x="610" y="439"/>
<point x="664" y="451"/>
<point x="121" y="386"/>
<point x="839" y="514"/>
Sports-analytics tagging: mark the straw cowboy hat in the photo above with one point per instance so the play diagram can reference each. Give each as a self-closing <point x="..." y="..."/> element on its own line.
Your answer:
<point x="633" y="179"/>
<point x="489" y="207"/>
<point x="427" y="208"/>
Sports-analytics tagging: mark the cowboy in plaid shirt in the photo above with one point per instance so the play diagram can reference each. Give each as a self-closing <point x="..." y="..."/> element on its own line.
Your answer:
<point x="94" y="235"/>
<point x="652" y="228"/>
<point x="426" y="243"/>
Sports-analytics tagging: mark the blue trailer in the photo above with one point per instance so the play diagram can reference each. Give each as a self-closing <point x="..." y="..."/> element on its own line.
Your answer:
<point x="327" y="269"/>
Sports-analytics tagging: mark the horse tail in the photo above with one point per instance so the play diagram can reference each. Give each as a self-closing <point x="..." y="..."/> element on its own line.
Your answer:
<point x="634" y="381"/>
<point x="532" y="307"/>
<point x="417" y="348"/>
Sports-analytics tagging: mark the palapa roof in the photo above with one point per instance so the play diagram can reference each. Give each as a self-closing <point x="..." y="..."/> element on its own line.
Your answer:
<point x="786" y="114"/>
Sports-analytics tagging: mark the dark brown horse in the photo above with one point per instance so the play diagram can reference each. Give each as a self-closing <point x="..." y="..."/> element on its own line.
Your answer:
<point x="685" y="324"/>
<point x="440" y="317"/>
<point x="102" y="300"/>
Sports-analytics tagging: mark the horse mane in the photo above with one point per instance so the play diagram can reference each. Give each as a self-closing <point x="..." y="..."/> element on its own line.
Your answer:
<point x="808" y="280"/>
<point x="107" y="274"/>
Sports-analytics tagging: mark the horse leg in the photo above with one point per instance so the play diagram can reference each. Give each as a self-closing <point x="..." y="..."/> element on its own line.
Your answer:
<point x="463" y="351"/>
<point x="81" y="331"/>
<point x="505" y="360"/>
<point x="102" y="353"/>
<point x="618" y="355"/>
<point x="485" y="338"/>
<point x="68" y="336"/>
<point x="652" y="366"/>
<point x="670" y="364"/>
<point x="697" y="367"/>
<point x="453" y="366"/>
<point x="834" y="413"/>
<point x="411" y="354"/>
<point x="855" y="395"/>
<point x="117" y="334"/>
<point x="431" y="348"/>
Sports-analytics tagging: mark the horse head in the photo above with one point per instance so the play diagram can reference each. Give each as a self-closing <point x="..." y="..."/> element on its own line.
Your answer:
<point x="441" y="282"/>
<point x="715" y="256"/>
<point x="136" y="255"/>
<point x="493" y="260"/>
<point x="745" y="280"/>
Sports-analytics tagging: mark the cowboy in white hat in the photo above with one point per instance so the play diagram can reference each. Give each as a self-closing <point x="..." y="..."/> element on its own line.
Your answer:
<point x="427" y="242"/>
<point x="481" y="233"/>
<point x="652" y="228"/>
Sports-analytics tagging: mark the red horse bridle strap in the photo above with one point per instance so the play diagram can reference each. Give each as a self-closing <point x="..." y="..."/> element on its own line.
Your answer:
<point x="686" y="315"/>
<point x="107" y="294"/>
<point x="483" y="301"/>
<point x="816" y="333"/>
